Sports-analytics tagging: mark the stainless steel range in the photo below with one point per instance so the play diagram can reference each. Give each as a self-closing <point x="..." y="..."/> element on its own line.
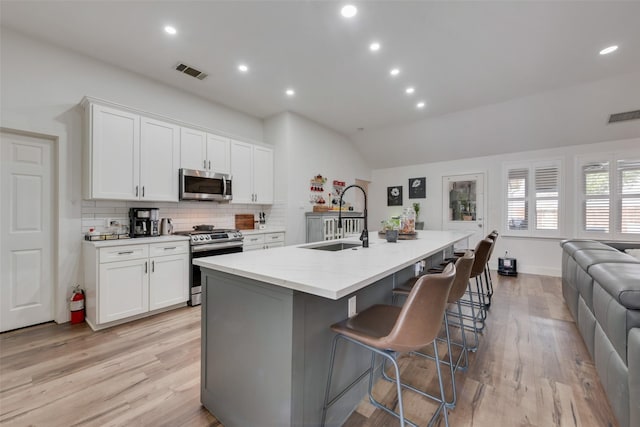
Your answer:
<point x="208" y="241"/>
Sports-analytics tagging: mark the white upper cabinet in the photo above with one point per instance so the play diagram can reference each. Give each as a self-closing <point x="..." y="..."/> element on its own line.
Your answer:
<point x="252" y="173"/>
<point x="218" y="153"/>
<point x="114" y="154"/>
<point x="133" y="155"/>
<point x="263" y="175"/>
<point x="193" y="149"/>
<point x="130" y="157"/>
<point x="159" y="154"/>
<point x="204" y="151"/>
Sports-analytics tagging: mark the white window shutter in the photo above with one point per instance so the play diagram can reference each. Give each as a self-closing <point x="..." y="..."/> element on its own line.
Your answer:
<point x="597" y="200"/>
<point x="517" y="199"/>
<point x="629" y="195"/>
<point x="547" y="187"/>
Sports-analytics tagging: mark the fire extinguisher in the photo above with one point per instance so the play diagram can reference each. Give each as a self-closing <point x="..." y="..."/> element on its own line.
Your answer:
<point x="77" y="305"/>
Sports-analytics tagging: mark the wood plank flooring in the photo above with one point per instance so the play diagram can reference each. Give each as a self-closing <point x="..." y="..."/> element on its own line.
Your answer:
<point x="532" y="369"/>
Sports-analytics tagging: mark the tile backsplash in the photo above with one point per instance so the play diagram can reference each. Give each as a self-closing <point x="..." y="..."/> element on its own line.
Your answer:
<point x="184" y="215"/>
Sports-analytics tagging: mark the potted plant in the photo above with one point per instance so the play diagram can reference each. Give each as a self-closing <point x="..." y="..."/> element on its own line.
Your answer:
<point x="419" y="224"/>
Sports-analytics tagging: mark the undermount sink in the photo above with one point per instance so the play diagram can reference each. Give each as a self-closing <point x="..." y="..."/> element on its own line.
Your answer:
<point x="333" y="247"/>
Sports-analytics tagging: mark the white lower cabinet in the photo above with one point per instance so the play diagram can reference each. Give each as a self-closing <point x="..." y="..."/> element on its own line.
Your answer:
<point x="166" y="285"/>
<point x="253" y="242"/>
<point x="124" y="289"/>
<point x="130" y="280"/>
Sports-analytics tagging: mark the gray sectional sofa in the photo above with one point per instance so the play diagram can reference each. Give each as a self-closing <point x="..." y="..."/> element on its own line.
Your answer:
<point x="601" y="287"/>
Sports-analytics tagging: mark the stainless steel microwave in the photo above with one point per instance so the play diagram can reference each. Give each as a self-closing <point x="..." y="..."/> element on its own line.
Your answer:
<point x="203" y="185"/>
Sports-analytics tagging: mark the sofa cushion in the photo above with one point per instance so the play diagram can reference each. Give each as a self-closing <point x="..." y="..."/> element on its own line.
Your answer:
<point x="620" y="280"/>
<point x="571" y="246"/>
<point x="586" y="258"/>
<point x="633" y="252"/>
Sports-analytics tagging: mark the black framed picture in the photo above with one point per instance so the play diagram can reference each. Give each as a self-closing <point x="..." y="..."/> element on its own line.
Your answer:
<point x="418" y="188"/>
<point x="394" y="196"/>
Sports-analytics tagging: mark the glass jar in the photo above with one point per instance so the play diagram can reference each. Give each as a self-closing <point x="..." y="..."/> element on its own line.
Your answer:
<point x="408" y="221"/>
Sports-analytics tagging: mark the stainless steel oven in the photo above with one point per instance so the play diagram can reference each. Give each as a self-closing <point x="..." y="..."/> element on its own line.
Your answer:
<point x="207" y="241"/>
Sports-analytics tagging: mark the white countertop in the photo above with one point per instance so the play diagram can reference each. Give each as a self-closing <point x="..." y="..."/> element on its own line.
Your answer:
<point x="136" y="241"/>
<point x="332" y="274"/>
<point x="264" y="231"/>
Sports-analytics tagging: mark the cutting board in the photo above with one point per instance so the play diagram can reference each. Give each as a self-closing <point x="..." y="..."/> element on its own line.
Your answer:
<point x="245" y="221"/>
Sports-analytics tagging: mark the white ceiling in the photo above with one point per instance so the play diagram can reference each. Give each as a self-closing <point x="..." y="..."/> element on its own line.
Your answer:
<point x="458" y="55"/>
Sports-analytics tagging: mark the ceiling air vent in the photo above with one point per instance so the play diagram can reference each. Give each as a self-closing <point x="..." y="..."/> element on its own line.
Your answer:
<point x="186" y="69"/>
<point x="622" y="117"/>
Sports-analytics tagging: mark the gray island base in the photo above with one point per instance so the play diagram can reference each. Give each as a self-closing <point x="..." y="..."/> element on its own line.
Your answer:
<point x="266" y="343"/>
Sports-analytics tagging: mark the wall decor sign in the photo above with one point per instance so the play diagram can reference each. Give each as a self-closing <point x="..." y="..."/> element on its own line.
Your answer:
<point x="418" y="188"/>
<point x="394" y="196"/>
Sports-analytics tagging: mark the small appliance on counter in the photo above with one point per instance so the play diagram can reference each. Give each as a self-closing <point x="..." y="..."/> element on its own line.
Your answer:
<point x="166" y="227"/>
<point x="144" y="222"/>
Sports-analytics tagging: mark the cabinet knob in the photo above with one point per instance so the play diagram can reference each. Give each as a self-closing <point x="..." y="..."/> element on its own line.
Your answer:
<point x="136" y="191"/>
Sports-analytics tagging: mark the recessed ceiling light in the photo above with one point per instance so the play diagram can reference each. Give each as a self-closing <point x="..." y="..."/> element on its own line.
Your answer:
<point x="290" y="92"/>
<point x="243" y="68"/>
<point x="170" y="30"/>
<point x="420" y="104"/>
<point x="349" y="11"/>
<point x="394" y="72"/>
<point x="374" y="47"/>
<point x="608" y="50"/>
<point x="410" y="90"/>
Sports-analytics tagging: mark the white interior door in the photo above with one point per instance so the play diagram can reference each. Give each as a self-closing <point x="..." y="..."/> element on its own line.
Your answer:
<point x="26" y="222"/>
<point x="464" y="206"/>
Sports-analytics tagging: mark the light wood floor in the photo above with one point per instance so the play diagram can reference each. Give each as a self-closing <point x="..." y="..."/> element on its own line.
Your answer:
<point x="532" y="369"/>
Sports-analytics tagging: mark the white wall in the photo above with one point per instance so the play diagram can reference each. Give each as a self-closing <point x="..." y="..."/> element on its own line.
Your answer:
<point x="304" y="149"/>
<point x="535" y="255"/>
<point x="41" y="88"/>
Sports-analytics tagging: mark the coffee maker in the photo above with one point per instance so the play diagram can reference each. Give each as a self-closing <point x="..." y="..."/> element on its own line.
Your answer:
<point x="144" y="222"/>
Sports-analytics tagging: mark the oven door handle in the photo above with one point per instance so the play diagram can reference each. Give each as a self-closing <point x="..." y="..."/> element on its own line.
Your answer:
<point x="214" y="246"/>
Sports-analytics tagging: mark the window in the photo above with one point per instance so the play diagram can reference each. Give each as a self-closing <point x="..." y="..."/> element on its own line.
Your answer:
<point x="517" y="203"/>
<point x="610" y="197"/>
<point x="533" y="199"/>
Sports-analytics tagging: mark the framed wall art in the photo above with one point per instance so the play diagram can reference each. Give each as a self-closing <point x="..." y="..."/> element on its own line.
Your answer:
<point x="418" y="188"/>
<point x="394" y="196"/>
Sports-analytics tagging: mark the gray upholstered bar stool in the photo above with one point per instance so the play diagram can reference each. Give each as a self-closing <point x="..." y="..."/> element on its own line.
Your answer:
<point x="458" y="289"/>
<point x="387" y="330"/>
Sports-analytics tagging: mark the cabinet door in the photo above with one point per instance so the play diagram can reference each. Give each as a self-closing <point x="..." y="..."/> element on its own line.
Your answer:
<point x="219" y="153"/>
<point x="115" y="148"/>
<point x="193" y="149"/>
<point x="242" y="172"/>
<point x="263" y="175"/>
<point x="123" y="289"/>
<point x="169" y="283"/>
<point x="159" y="153"/>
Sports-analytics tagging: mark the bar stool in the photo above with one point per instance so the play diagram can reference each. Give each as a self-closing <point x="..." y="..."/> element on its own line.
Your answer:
<point x="387" y="330"/>
<point x="482" y="255"/>
<point x="458" y="289"/>
<point x="493" y="236"/>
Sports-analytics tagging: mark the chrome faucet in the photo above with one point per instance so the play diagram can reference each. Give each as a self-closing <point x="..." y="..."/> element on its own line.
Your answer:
<point x="365" y="233"/>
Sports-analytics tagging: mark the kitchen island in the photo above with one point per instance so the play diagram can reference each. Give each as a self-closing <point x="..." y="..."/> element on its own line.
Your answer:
<point x="266" y="317"/>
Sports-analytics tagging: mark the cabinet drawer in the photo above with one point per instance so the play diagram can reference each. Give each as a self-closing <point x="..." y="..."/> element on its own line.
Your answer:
<point x="168" y="248"/>
<point x="253" y="239"/>
<point x="273" y="238"/>
<point x="123" y="253"/>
